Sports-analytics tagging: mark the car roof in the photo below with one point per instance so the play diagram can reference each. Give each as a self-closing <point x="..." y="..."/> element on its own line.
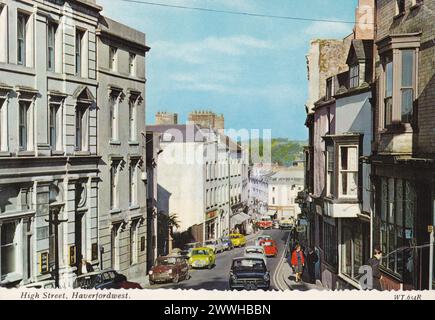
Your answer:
<point x="254" y="247"/>
<point x="95" y="273"/>
<point x="202" y="248"/>
<point x="247" y="257"/>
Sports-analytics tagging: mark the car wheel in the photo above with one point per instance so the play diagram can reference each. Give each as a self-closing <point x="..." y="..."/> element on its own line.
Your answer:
<point x="176" y="279"/>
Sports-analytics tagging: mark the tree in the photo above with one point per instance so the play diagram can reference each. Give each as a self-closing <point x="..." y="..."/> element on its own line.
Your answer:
<point x="173" y="222"/>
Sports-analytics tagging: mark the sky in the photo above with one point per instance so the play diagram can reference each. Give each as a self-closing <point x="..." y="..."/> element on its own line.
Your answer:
<point x="251" y="69"/>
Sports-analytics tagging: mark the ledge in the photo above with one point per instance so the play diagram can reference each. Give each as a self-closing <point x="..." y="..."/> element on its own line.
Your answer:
<point x="82" y="153"/>
<point x="25" y="153"/>
<point x="115" y="142"/>
<point x="133" y="143"/>
<point x="5" y="154"/>
<point x="115" y="211"/>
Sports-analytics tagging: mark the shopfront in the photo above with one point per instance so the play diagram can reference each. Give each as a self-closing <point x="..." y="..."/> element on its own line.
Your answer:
<point x="211" y="224"/>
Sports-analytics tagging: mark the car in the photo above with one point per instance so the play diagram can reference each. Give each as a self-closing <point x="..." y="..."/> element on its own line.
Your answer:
<point x="265" y="223"/>
<point x="270" y="247"/>
<point x="106" y="279"/>
<point x="46" y="284"/>
<point x="285" y="224"/>
<point x="202" y="258"/>
<point x="255" y="252"/>
<point x="187" y="248"/>
<point x="170" y="268"/>
<point x="238" y="240"/>
<point x="227" y="244"/>
<point x="262" y="237"/>
<point x="215" y="245"/>
<point x="249" y="273"/>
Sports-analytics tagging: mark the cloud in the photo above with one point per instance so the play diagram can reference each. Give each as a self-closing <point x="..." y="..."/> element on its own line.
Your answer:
<point x="208" y="49"/>
<point x="320" y="29"/>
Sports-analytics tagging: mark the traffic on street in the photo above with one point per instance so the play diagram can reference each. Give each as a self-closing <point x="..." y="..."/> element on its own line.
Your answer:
<point x="217" y="276"/>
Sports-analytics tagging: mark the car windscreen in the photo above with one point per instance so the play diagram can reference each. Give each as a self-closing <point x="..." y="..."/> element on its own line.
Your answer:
<point x="268" y="243"/>
<point x="166" y="261"/>
<point x="199" y="252"/>
<point x="255" y="265"/>
<point x="254" y="250"/>
<point x="235" y="236"/>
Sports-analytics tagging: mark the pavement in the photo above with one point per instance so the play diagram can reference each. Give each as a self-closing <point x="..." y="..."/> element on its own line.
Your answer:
<point x="288" y="277"/>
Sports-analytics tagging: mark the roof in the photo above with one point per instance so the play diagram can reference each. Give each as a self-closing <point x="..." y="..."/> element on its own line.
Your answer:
<point x="361" y="49"/>
<point x="179" y="132"/>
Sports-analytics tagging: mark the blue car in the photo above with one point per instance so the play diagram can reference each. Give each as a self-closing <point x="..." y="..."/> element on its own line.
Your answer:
<point x="227" y="244"/>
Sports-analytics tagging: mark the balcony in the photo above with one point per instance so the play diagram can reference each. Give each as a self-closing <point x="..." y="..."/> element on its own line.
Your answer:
<point x="342" y="208"/>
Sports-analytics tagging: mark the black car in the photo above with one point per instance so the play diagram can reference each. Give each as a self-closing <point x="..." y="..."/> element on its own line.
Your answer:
<point x="249" y="274"/>
<point x="107" y="279"/>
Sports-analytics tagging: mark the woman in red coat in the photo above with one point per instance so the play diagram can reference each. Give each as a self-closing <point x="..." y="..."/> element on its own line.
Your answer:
<point x="298" y="262"/>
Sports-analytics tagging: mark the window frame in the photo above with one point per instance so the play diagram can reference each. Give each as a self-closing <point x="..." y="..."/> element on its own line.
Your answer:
<point x="347" y="171"/>
<point x="354" y="76"/>
<point x="113" y="58"/>
<point x="23" y="125"/>
<point x="78" y="47"/>
<point x="132" y="63"/>
<point x="51" y="47"/>
<point x="114" y="184"/>
<point x="22" y="39"/>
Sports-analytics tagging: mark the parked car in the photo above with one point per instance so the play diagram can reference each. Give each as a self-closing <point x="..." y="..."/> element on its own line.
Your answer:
<point x="215" y="245"/>
<point x="227" y="244"/>
<point x="255" y="252"/>
<point x="169" y="268"/>
<point x="46" y="284"/>
<point x="202" y="258"/>
<point x="265" y="223"/>
<point x="270" y="247"/>
<point x="285" y="224"/>
<point x="262" y="237"/>
<point x="187" y="248"/>
<point x="249" y="274"/>
<point x="238" y="240"/>
<point x="107" y="279"/>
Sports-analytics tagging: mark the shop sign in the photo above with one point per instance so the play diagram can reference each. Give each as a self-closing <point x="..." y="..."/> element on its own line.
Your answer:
<point x="211" y="215"/>
<point x="43" y="262"/>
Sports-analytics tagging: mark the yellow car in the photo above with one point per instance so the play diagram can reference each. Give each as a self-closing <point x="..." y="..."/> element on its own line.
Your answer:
<point x="238" y="240"/>
<point x="202" y="258"/>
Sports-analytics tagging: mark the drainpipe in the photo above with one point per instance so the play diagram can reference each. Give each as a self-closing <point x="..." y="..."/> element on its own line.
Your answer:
<point x="431" y="250"/>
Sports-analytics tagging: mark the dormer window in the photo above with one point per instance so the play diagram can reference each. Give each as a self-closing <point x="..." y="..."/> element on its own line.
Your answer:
<point x="354" y="76"/>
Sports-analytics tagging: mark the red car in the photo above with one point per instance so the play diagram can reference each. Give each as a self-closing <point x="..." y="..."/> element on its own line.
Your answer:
<point x="265" y="223"/>
<point x="270" y="247"/>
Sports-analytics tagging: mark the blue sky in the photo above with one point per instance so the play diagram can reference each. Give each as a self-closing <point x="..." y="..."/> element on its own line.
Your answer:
<point x="253" y="70"/>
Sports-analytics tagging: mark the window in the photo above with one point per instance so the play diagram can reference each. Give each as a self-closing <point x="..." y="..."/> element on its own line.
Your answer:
<point x="3" y="125"/>
<point x="114" y="246"/>
<point x="407" y="85"/>
<point x="81" y="126"/>
<point x="21" y="38"/>
<point x="400" y="7"/>
<point x="354" y="76"/>
<point x="397" y="230"/>
<point x="113" y="114"/>
<point x="8" y="248"/>
<point x="132" y="120"/>
<point x="273" y="200"/>
<point x="348" y="171"/>
<point x="132" y="64"/>
<point x="114" y="185"/>
<point x="388" y="101"/>
<point x="355" y="250"/>
<point x="330" y="243"/>
<point x="23" y="124"/>
<point x="330" y="178"/>
<point x="132" y="174"/>
<point x="52" y="126"/>
<point x="134" y="242"/>
<point x="329" y="88"/>
<point x="3" y="33"/>
<point x="79" y="51"/>
<point x="113" y="54"/>
<point x="51" y="46"/>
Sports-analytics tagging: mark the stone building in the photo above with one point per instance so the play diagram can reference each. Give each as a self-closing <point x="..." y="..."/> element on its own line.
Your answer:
<point x="207" y="119"/>
<point x="48" y="138"/>
<point x="403" y="151"/>
<point x="121" y="144"/>
<point x="166" y="118"/>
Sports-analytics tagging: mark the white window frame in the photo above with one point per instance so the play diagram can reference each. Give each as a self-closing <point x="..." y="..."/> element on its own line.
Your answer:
<point x="113" y="58"/>
<point x="132" y="57"/>
<point x="354" y="73"/>
<point x="114" y="185"/>
<point x="348" y="171"/>
<point x="79" y="51"/>
<point x="82" y="119"/>
<point x="330" y="173"/>
<point x="52" y="47"/>
<point x="133" y="183"/>
<point x="22" y="40"/>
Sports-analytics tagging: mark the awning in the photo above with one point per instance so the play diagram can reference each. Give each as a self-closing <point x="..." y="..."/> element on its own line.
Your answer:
<point x="239" y="218"/>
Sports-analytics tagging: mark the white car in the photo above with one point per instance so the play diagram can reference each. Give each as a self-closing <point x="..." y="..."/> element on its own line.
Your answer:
<point x="215" y="245"/>
<point x="262" y="237"/>
<point x="255" y="252"/>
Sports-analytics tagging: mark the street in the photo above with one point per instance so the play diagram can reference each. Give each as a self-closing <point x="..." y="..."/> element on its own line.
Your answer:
<point x="217" y="278"/>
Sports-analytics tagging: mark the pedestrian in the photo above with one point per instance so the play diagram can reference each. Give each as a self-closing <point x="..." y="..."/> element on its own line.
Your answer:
<point x="375" y="263"/>
<point x="86" y="267"/>
<point x="312" y="259"/>
<point x="298" y="262"/>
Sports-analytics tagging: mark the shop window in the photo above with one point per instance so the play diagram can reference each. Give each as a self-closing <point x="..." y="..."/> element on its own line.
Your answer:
<point x="330" y="245"/>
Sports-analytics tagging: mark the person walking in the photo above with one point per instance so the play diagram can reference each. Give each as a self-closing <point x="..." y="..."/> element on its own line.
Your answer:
<point x="86" y="267"/>
<point x="375" y="263"/>
<point x="312" y="259"/>
<point x="298" y="262"/>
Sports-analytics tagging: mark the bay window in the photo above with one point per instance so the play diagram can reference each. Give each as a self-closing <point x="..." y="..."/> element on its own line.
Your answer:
<point x="330" y="178"/>
<point x="388" y="100"/>
<point x="407" y="85"/>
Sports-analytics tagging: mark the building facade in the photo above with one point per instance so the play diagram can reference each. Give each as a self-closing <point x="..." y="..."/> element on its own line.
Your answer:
<point x="48" y="154"/>
<point x="121" y="144"/>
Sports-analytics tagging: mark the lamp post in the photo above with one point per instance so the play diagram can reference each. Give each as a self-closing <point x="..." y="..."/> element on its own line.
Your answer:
<point x="54" y="220"/>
